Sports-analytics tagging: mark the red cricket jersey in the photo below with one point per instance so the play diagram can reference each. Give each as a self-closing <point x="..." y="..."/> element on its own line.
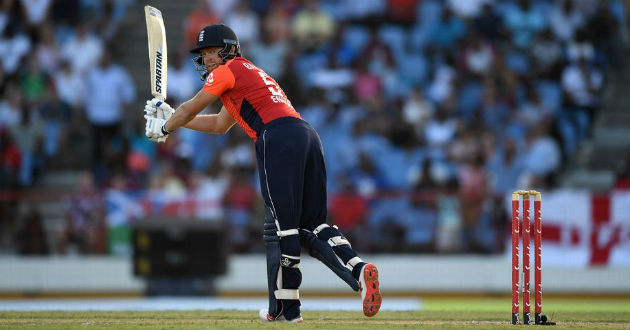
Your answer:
<point x="251" y="96"/>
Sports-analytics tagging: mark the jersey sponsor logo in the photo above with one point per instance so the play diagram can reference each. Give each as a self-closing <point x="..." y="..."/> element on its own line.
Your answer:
<point x="210" y="79"/>
<point x="249" y="66"/>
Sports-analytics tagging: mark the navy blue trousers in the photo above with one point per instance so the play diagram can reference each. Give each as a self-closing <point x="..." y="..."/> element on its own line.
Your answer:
<point x="292" y="173"/>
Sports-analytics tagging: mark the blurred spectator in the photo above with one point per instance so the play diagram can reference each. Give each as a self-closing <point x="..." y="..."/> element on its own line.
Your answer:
<point x="366" y="177"/>
<point x="503" y="79"/>
<point x="83" y="50"/>
<point x="56" y="115"/>
<point x="47" y="50"/>
<point x="31" y="237"/>
<point x="524" y="22"/>
<point x="238" y="153"/>
<point x="270" y="54"/>
<point x="473" y="190"/>
<point x="11" y="107"/>
<point x="108" y="22"/>
<point x="581" y="84"/>
<point x="33" y="82"/>
<point x="244" y="22"/>
<point x="447" y="31"/>
<point x="488" y="23"/>
<point x="504" y="168"/>
<point x="442" y="84"/>
<point x="312" y="27"/>
<point x="36" y="11"/>
<point x="541" y="157"/>
<point x="181" y="84"/>
<point x="477" y="56"/>
<point x="209" y="192"/>
<point x="532" y="111"/>
<point x="276" y="23"/>
<point x="348" y="210"/>
<point x="140" y="157"/>
<point x="29" y="138"/>
<point x="11" y="161"/>
<point x="605" y="32"/>
<point x="334" y="79"/>
<point x="425" y="198"/>
<point x="340" y="52"/>
<point x="377" y="54"/>
<point x="108" y="89"/>
<point x="564" y="19"/>
<point x="581" y="47"/>
<point x="367" y="85"/>
<point x="69" y="85"/>
<point x="547" y="54"/>
<point x="84" y="219"/>
<point x="166" y="181"/>
<point x="465" y="146"/>
<point x="14" y="45"/>
<point x="121" y="209"/>
<point x="417" y="111"/>
<point x="495" y="111"/>
<point x="239" y="203"/>
<point x="440" y="130"/>
<point x="199" y="18"/>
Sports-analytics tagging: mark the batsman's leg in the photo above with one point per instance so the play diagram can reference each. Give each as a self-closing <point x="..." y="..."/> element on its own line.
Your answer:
<point x="272" y="247"/>
<point x="283" y="272"/>
<point x="344" y="256"/>
<point x="323" y="252"/>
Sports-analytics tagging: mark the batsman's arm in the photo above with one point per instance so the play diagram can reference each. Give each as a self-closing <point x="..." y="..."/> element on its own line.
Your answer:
<point x="187" y="112"/>
<point x="218" y="123"/>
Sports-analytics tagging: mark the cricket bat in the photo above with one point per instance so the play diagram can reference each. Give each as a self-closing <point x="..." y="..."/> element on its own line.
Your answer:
<point x="158" y="62"/>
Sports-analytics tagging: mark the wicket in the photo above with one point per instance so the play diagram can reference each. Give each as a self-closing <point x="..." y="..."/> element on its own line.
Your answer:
<point x="525" y="228"/>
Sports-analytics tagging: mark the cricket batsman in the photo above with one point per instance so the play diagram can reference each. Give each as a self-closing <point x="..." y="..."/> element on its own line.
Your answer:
<point x="290" y="165"/>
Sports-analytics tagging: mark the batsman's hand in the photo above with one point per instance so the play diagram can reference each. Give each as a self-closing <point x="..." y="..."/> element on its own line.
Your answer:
<point x="154" y="130"/>
<point x="163" y="109"/>
<point x="157" y="109"/>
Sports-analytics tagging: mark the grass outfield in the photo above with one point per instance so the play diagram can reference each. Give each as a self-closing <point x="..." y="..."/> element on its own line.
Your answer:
<point x="437" y="313"/>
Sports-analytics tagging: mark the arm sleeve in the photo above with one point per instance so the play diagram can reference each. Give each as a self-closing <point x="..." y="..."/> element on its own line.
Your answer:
<point x="219" y="81"/>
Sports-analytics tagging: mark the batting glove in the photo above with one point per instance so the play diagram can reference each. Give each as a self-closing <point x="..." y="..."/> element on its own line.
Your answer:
<point x="163" y="110"/>
<point x="150" y="111"/>
<point x="155" y="130"/>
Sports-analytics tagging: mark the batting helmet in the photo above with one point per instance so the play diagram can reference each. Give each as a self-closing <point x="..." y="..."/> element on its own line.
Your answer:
<point x="218" y="35"/>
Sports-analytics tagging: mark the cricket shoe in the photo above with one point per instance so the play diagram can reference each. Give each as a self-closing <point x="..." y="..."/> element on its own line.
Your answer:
<point x="370" y="292"/>
<point x="264" y="316"/>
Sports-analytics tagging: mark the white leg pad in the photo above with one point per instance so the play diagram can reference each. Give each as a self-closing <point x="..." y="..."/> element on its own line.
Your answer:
<point x="320" y="228"/>
<point x="287" y="294"/>
<point x="354" y="261"/>
<point x="338" y="240"/>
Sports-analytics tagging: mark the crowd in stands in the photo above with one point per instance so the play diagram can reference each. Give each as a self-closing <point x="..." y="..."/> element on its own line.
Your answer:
<point x="429" y="111"/>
